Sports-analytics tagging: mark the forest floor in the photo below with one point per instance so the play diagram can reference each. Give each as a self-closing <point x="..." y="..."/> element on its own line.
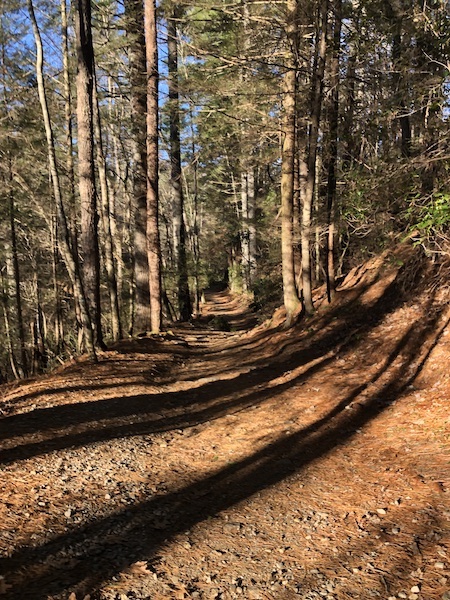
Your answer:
<point x="259" y="463"/>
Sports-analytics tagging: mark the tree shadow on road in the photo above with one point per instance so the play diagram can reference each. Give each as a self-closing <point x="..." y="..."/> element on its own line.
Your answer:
<point x="107" y="546"/>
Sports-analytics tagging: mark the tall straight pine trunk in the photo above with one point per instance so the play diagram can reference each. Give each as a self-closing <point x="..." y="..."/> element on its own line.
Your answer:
<point x="179" y="227"/>
<point x="153" y="243"/>
<point x="290" y="294"/>
<point x="106" y="212"/>
<point x="138" y="104"/>
<point x="89" y="244"/>
<point x="313" y="139"/>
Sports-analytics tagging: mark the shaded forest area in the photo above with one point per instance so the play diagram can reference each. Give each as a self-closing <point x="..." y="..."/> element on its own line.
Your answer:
<point x="152" y="150"/>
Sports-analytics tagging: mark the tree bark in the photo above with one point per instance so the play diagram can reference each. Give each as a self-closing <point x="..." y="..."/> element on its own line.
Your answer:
<point x="68" y="114"/>
<point x="179" y="227"/>
<point x="59" y="332"/>
<point x="89" y="244"/>
<point x="6" y="316"/>
<point x="316" y="109"/>
<point x="290" y="294"/>
<point x="138" y="104"/>
<point x="106" y="222"/>
<point x="333" y="150"/>
<point x="69" y="258"/>
<point x="153" y="243"/>
<point x="17" y="281"/>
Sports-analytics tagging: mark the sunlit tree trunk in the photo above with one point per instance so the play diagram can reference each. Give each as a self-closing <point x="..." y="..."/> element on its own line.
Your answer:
<point x="290" y="294"/>
<point x="247" y="176"/>
<point x="153" y="243"/>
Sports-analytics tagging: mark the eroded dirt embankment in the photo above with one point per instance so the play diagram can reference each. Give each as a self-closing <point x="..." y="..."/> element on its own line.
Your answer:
<point x="264" y="463"/>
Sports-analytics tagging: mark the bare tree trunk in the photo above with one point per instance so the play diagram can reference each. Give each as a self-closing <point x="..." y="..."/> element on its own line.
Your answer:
<point x="316" y="108"/>
<point x="252" y="226"/>
<point x="106" y="221"/>
<point x="399" y="66"/>
<point x="40" y="356"/>
<point x="333" y="151"/>
<point x="138" y="101"/>
<point x="6" y="317"/>
<point x="89" y="245"/>
<point x="58" y="333"/>
<point x="69" y="258"/>
<point x="245" y="234"/>
<point x="153" y="243"/>
<point x="17" y="291"/>
<point x="68" y="113"/>
<point x="248" y="228"/>
<point x="194" y="225"/>
<point x="179" y="227"/>
<point x="290" y="294"/>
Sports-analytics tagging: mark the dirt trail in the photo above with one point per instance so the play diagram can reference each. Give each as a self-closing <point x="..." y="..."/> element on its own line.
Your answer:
<point x="255" y="463"/>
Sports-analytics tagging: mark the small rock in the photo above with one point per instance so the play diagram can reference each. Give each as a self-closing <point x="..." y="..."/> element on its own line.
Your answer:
<point x="415" y="589"/>
<point x="231" y="527"/>
<point x="439" y="565"/>
<point x="402" y="595"/>
<point x="395" y="530"/>
<point x="381" y="511"/>
<point x="68" y="513"/>
<point x="413" y="597"/>
<point x="446" y="595"/>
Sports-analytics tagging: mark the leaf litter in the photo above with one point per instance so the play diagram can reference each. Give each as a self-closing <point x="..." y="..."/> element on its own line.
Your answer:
<point x="256" y="463"/>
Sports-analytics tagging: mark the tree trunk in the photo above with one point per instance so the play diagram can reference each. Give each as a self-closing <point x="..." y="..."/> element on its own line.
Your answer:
<point x="195" y="220"/>
<point x="68" y="115"/>
<point x="290" y="294"/>
<point x="153" y="244"/>
<point x="405" y="125"/>
<point x="333" y="151"/>
<point x="40" y="356"/>
<point x="248" y="229"/>
<point x="106" y="221"/>
<point x="17" y="291"/>
<point x="89" y="244"/>
<point x="316" y="108"/>
<point x="179" y="227"/>
<point x="58" y="333"/>
<point x="69" y="258"/>
<point x="138" y="104"/>
<point x="245" y="233"/>
<point x="6" y="317"/>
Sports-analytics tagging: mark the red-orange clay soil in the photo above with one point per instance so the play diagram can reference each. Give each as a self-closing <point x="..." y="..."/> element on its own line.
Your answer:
<point x="260" y="463"/>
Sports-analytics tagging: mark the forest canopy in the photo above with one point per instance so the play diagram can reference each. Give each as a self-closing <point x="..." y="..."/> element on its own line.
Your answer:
<point x="152" y="150"/>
